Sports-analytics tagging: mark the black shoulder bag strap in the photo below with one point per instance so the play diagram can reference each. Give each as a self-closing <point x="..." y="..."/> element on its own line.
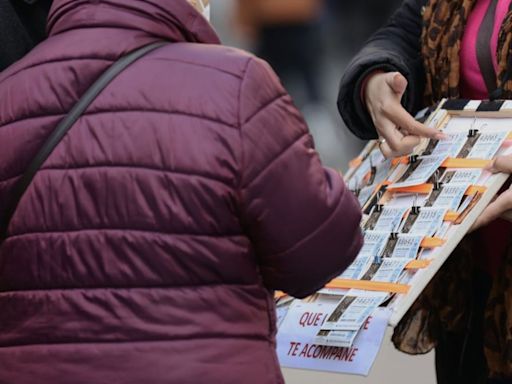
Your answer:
<point x="65" y="125"/>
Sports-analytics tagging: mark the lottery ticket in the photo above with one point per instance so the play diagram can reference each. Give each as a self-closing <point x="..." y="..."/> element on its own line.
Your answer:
<point x="374" y="243"/>
<point x="357" y="269"/>
<point x="390" y="219"/>
<point x="408" y="200"/>
<point x="406" y="277"/>
<point x="372" y="270"/>
<point x="373" y="217"/>
<point x="487" y="145"/>
<point x="465" y="204"/>
<point x="462" y="176"/>
<point x="443" y="230"/>
<point x="450" y="146"/>
<point x="436" y="118"/>
<point x="407" y="246"/>
<point x="344" y="339"/>
<point x="365" y="194"/>
<point x="390" y="270"/>
<point x="374" y="158"/>
<point x="353" y="184"/>
<point x="426" y="223"/>
<point x="353" y="310"/>
<point x="449" y="196"/>
<point x="423" y="170"/>
<point x="381" y="173"/>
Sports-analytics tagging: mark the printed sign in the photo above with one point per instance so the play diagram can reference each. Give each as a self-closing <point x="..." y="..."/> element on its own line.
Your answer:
<point x="298" y="347"/>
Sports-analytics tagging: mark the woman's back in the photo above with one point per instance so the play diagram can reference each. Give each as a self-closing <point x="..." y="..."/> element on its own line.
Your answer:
<point x="146" y="247"/>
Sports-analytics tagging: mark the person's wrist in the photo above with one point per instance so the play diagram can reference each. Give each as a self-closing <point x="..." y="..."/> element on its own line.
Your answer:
<point x="365" y="83"/>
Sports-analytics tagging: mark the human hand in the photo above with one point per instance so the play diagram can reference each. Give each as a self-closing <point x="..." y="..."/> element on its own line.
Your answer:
<point x="501" y="206"/>
<point x="398" y="130"/>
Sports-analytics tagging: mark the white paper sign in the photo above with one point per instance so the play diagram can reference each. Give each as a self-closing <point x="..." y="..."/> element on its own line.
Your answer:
<point x="305" y="318"/>
<point x="281" y="312"/>
<point x="303" y="352"/>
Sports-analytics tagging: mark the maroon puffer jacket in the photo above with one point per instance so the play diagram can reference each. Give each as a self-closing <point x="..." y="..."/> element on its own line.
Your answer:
<point x="147" y="248"/>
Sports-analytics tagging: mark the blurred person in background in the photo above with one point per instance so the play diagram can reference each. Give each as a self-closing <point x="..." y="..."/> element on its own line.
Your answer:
<point x="353" y="22"/>
<point x="148" y="246"/>
<point x="307" y="42"/>
<point x="22" y="26"/>
<point x="287" y="34"/>
<point x="429" y="50"/>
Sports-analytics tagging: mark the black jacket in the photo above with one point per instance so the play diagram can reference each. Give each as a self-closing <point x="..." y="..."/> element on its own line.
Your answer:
<point x="22" y="26"/>
<point x="395" y="47"/>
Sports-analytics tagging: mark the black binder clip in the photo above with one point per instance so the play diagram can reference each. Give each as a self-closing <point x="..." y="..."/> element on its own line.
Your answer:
<point x="393" y="236"/>
<point x="378" y="196"/>
<point x="437" y="184"/>
<point x="472" y="133"/>
<point x="373" y="172"/>
<point x="358" y="187"/>
<point x="415" y="210"/>
<point x="413" y="159"/>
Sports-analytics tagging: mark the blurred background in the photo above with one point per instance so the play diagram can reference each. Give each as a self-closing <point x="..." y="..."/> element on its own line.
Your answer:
<point x="309" y="43"/>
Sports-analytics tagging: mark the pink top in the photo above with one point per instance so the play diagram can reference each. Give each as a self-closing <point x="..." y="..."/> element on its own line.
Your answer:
<point x="495" y="236"/>
<point x="472" y="81"/>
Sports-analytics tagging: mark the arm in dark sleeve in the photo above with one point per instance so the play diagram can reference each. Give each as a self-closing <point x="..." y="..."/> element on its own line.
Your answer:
<point x="395" y="47"/>
<point x="302" y="220"/>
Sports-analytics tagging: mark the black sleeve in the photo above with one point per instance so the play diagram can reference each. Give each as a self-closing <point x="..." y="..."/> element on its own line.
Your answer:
<point x="395" y="47"/>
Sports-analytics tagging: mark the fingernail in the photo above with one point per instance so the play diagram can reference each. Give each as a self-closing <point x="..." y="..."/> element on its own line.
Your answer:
<point x="441" y="136"/>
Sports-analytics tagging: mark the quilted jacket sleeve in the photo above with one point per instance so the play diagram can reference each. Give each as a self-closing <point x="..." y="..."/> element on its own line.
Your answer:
<point x="395" y="47"/>
<point x="303" y="221"/>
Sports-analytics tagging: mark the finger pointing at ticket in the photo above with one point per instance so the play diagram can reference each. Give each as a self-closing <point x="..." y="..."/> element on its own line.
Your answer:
<point x="399" y="132"/>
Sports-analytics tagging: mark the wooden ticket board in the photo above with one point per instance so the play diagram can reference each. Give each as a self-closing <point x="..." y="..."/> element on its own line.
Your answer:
<point x="474" y="120"/>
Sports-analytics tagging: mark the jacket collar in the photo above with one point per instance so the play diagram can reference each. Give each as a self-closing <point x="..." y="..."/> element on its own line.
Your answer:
<point x="173" y="20"/>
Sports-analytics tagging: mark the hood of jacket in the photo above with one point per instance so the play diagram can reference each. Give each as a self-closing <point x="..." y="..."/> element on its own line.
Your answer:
<point x="172" y="20"/>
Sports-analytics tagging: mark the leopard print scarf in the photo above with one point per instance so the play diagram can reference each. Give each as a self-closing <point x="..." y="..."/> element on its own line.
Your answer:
<point x="443" y="305"/>
<point x="443" y="27"/>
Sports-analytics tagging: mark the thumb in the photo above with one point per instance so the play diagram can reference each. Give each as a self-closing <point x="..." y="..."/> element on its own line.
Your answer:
<point x="397" y="82"/>
<point x="494" y="210"/>
<point x="502" y="164"/>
